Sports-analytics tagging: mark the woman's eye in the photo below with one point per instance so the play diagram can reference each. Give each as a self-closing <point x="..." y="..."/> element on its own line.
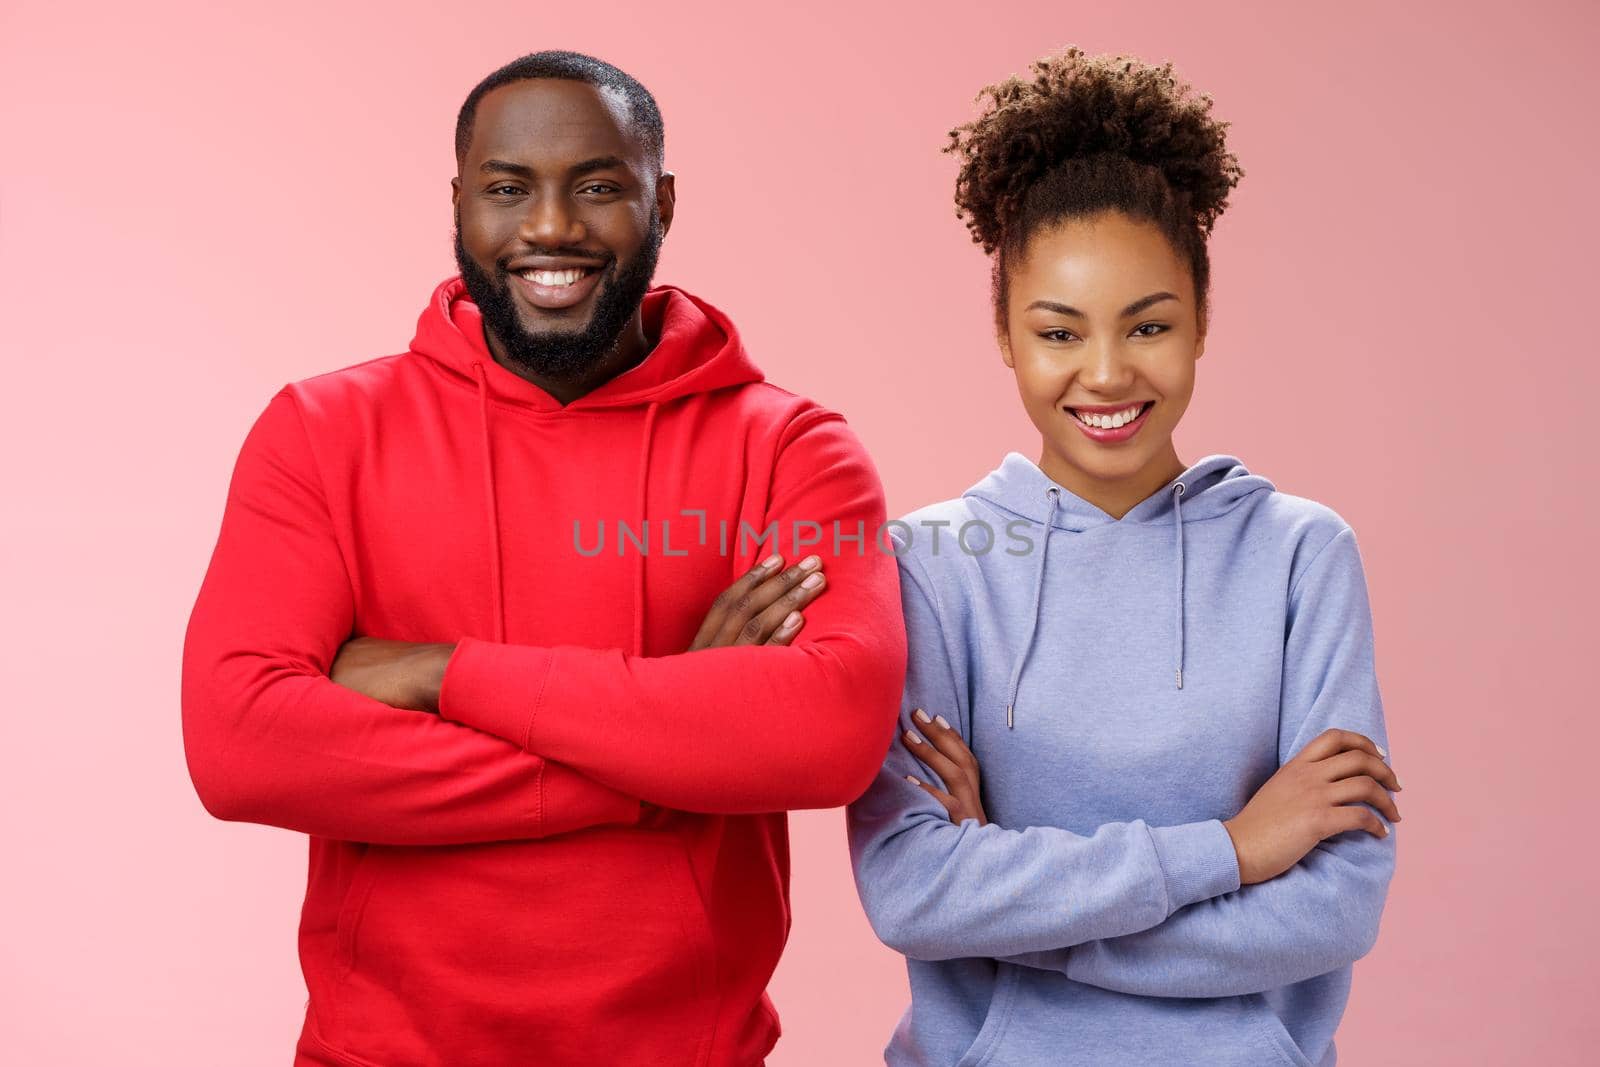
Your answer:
<point x="1158" y="327"/>
<point x="1056" y="335"/>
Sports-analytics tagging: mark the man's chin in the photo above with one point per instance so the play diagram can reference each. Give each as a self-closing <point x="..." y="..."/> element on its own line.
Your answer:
<point x="540" y="323"/>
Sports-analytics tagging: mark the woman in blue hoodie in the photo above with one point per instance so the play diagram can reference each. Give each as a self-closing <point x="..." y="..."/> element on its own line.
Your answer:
<point x="1165" y="670"/>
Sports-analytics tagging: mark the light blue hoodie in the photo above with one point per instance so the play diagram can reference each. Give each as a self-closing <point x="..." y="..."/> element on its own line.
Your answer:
<point x="1125" y="685"/>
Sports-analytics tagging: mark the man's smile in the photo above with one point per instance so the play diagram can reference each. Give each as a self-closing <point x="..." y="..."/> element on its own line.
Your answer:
<point x="551" y="283"/>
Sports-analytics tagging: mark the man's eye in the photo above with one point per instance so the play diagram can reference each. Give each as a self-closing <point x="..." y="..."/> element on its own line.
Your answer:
<point x="1158" y="327"/>
<point x="497" y="188"/>
<point x="600" y="188"/>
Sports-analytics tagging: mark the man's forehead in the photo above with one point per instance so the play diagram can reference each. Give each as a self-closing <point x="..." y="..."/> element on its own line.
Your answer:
<point x="553" y="119"/>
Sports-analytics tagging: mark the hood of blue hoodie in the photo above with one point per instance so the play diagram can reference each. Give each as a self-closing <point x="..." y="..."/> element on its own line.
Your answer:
<point x="1210" y="487"/>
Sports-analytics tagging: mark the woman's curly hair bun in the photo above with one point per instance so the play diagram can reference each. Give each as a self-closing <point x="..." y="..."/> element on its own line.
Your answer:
<point x="1078" y="107"/>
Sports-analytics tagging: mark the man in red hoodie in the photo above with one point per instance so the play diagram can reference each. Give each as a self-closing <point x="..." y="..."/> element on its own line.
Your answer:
<point x="465" y="626"/>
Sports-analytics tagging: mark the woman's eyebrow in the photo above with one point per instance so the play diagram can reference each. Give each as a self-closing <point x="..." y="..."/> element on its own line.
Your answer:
<point x="1132" y="309"/>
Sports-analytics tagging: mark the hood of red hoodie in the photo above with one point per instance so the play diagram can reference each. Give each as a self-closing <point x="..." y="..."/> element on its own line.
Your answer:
<point x="697" y="350"/>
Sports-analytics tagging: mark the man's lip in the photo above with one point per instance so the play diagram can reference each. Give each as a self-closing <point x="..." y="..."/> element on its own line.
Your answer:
<point x="556" y="297"/>
<point x="553" y="263"/>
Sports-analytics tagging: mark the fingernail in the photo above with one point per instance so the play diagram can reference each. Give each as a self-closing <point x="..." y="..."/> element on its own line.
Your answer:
<point x="811" y="563"/>
<point x="811" y="582"/>
<point x="771" y="562"/>
<point x="913" y="738"/>
<point x="913" y="779"/>
<point x="940" y="719"/>
<point x="921" y="716"/>
<point x="1381" y="751"/>
<point x="791" y="621"/>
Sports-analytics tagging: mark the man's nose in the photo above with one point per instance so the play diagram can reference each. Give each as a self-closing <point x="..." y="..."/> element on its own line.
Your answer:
<point x="550" y="222"/>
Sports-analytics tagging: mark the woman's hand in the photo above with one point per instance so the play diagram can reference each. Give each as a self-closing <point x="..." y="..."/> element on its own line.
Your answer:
<point x="1315" y="795"/>
<point x="763" y="606"/>
<point x="948" y="755"/>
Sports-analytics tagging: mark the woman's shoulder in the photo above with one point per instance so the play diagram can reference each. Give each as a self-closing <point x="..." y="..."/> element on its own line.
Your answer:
<point x="1298" y="527"/>
<point x="927" y="546"/>
<point x="1300" y="517"/>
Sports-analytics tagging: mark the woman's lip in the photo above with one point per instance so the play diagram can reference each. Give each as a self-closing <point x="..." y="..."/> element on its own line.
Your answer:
<point x="555" y="297"/>
<point x="1121" y="433"/>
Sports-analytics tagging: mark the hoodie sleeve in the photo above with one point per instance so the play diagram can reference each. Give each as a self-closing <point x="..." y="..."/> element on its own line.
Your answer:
<point x="1322" y="913"/>
<point x="728" y="730"/>
<point x="936" y="890"/>
<point x="269" y="738"/>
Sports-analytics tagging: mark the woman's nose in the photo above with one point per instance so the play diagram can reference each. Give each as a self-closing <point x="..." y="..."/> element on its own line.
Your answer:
<point x="1106" y="368"/>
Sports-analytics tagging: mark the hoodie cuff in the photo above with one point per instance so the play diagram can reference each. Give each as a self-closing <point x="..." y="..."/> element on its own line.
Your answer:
<point x="1198" y="859"/>
<point x="494" y="687"/>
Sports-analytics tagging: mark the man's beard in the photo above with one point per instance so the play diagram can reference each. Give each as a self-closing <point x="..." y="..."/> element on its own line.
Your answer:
<point x="562" y="355"/>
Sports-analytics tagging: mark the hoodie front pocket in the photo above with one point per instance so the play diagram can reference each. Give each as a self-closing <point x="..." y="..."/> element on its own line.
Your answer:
<point x="591" y="947"/>
<point x="1044" y="1017"/>
<point x="992" y="1033"/>
<point x="1276" y="1033"/>
<point x="355" y="901"/>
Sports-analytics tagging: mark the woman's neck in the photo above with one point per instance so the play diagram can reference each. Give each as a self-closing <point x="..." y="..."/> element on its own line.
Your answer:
<point x="1114" y="496"/>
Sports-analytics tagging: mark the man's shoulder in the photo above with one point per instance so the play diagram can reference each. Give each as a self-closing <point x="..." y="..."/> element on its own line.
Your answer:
<point x="365" y="384"/>
<point x="772" y="402"/>
<point x="780" y="417"/>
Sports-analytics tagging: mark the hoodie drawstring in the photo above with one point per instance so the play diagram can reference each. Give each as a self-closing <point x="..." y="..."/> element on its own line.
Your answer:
<point x="644" y="482"/>
<point x="491" y="508"/>
<point x="1177" y="533"/>
<point x="492" y="514"/>
<point x="1038" y="595"/>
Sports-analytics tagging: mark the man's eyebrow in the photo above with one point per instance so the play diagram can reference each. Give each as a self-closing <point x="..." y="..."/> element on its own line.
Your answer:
<point x="1132" y="309"/>
<point x="598" y="163"/>
<point x="505" y="166"/>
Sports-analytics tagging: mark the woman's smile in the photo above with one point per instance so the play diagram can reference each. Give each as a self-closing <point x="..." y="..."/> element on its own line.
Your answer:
<point x="1110" y="425"/>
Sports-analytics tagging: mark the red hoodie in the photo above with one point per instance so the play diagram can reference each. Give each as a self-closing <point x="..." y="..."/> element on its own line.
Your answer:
<point x="583" y="859"/>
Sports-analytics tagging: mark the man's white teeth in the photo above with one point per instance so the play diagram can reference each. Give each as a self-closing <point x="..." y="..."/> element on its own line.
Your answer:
<point x="552" y="277"/>
<point x="1111" y="421"/>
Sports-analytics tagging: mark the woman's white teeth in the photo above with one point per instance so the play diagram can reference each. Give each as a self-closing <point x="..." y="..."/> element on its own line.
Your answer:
<point x="552" y="277"/>
<point x="1111" y="421"/>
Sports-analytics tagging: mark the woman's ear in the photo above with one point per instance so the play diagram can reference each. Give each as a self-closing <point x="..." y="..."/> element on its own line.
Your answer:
<point x="1002" y="337"/>
<point x="1200" y="337"/>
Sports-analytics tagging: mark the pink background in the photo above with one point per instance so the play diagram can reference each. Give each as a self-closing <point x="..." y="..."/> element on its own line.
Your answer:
<point x="200" y="204"/>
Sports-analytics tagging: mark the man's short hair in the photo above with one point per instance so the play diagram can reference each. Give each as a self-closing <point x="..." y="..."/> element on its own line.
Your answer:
<point x="569" y="66"/>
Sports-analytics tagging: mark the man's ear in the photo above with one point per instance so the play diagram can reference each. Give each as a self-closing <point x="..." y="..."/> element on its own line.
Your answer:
<point x="666" y="199"/>
<point x="455" y="191"/>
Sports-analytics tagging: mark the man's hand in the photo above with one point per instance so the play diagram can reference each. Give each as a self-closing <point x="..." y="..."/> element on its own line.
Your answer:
<point x="402" y="674"/>
<point x="763" y="606"/>
<point x="953" y="761"/>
